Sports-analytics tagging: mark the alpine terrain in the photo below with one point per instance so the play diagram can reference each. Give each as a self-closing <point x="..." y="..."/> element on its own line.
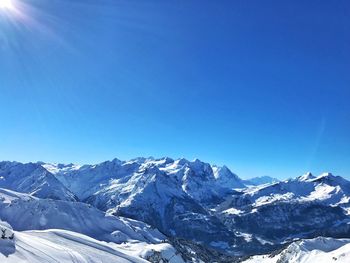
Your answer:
<point x="166" y="210"/>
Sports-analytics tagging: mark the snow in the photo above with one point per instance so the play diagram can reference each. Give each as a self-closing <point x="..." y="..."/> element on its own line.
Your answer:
<point x="263" y="241"/>
<point x="60" y="168"/>
<point x="165" y="193"/>
<point x="248" y="237"/>
<point x="306" y="177"/>
<point x="199" y="180"/>
<point x="33" y="179"/>
<point x="233" y="211"/>
<point x="326" y="188"/>
<point x="264" y="200"/>
<point x="59" y="240"/>
<point x="225" y="178"/>
<point x="321" y="250"/>
<point x="63" y="246"/>
<point x="322" y="192"/>
<point x="6" y="230"/>
<point x="166" y="251"/>
<point x="188" y="199"/>
<point x="19" y="210"/>
<point x="261" y="180"/>
<point x="7" y="241"/>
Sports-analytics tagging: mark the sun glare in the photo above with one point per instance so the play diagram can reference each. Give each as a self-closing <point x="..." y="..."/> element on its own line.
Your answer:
<point x="6" y="4"/>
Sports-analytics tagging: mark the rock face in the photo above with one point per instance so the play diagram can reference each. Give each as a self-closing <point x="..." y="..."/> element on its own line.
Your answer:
<point x="6" y="231"/>
<point x="190" y="200"/>
<point x="7" y="239"/>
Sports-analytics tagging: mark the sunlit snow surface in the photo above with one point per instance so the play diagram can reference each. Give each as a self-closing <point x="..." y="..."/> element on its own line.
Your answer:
<point x="66" y="246"/>
<point x="122" y="239"/>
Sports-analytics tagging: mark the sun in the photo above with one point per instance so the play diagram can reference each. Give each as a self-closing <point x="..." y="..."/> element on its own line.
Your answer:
<point x="6" y="4"/>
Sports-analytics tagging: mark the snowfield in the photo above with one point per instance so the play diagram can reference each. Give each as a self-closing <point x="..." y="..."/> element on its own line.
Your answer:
<point x="57" y="245"/>
<point x="127" y="240"/>
<point x="66" y="246"/>
<point x="63" y="246"/>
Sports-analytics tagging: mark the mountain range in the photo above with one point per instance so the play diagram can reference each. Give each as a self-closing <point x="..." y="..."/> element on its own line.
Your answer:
<point x="170" y="210"/>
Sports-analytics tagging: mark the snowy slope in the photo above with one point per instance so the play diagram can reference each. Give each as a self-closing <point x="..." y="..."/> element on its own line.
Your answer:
<point x="66" y="247"/>
<point x="131" y="240"/>
<point x="32" y="178"/>
<point x="25" y="212"/>
<point x="321" y="250"/>
<point x="63" y="246"/>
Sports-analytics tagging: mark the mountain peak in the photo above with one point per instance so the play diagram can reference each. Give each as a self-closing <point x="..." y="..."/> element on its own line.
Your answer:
<point x="306" y="177"/>
<point x="327" y="174"/>
<point x="182" y="161"/>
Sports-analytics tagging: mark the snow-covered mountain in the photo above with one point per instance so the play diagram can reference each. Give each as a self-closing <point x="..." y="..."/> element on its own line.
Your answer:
<point x="34" y="179"/>
<point x="326" y="189"/>
<point x="321" y="250"/>
<point x="260" y="180"/>
<point x="164" y="193"/>
<point x="192" y="201"/>
<point x="199" y="180"/>
<point x="304" y="207"/>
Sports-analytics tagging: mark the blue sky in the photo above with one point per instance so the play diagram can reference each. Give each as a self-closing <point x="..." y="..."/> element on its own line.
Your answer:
<point x="261" y="86"/>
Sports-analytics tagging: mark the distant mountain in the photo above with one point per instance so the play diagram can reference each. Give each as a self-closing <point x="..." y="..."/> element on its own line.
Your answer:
<point x="319" y="249"/>
<point x="34" y="179"/>
<point x="304" y="207"/>
<point x="260" y="180"/>
<point x="164" y="193"/>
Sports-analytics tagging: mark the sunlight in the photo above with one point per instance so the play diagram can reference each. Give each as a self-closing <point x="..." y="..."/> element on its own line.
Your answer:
<point x="6" y="4"/>
<point x="18" y="17"/>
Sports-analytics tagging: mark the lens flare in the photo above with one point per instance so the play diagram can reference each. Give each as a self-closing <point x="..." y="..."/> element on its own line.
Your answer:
<point x="6" y="4"/>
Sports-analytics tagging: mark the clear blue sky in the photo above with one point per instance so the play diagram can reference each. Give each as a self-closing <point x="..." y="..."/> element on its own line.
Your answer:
<point x="261" y="86"/>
